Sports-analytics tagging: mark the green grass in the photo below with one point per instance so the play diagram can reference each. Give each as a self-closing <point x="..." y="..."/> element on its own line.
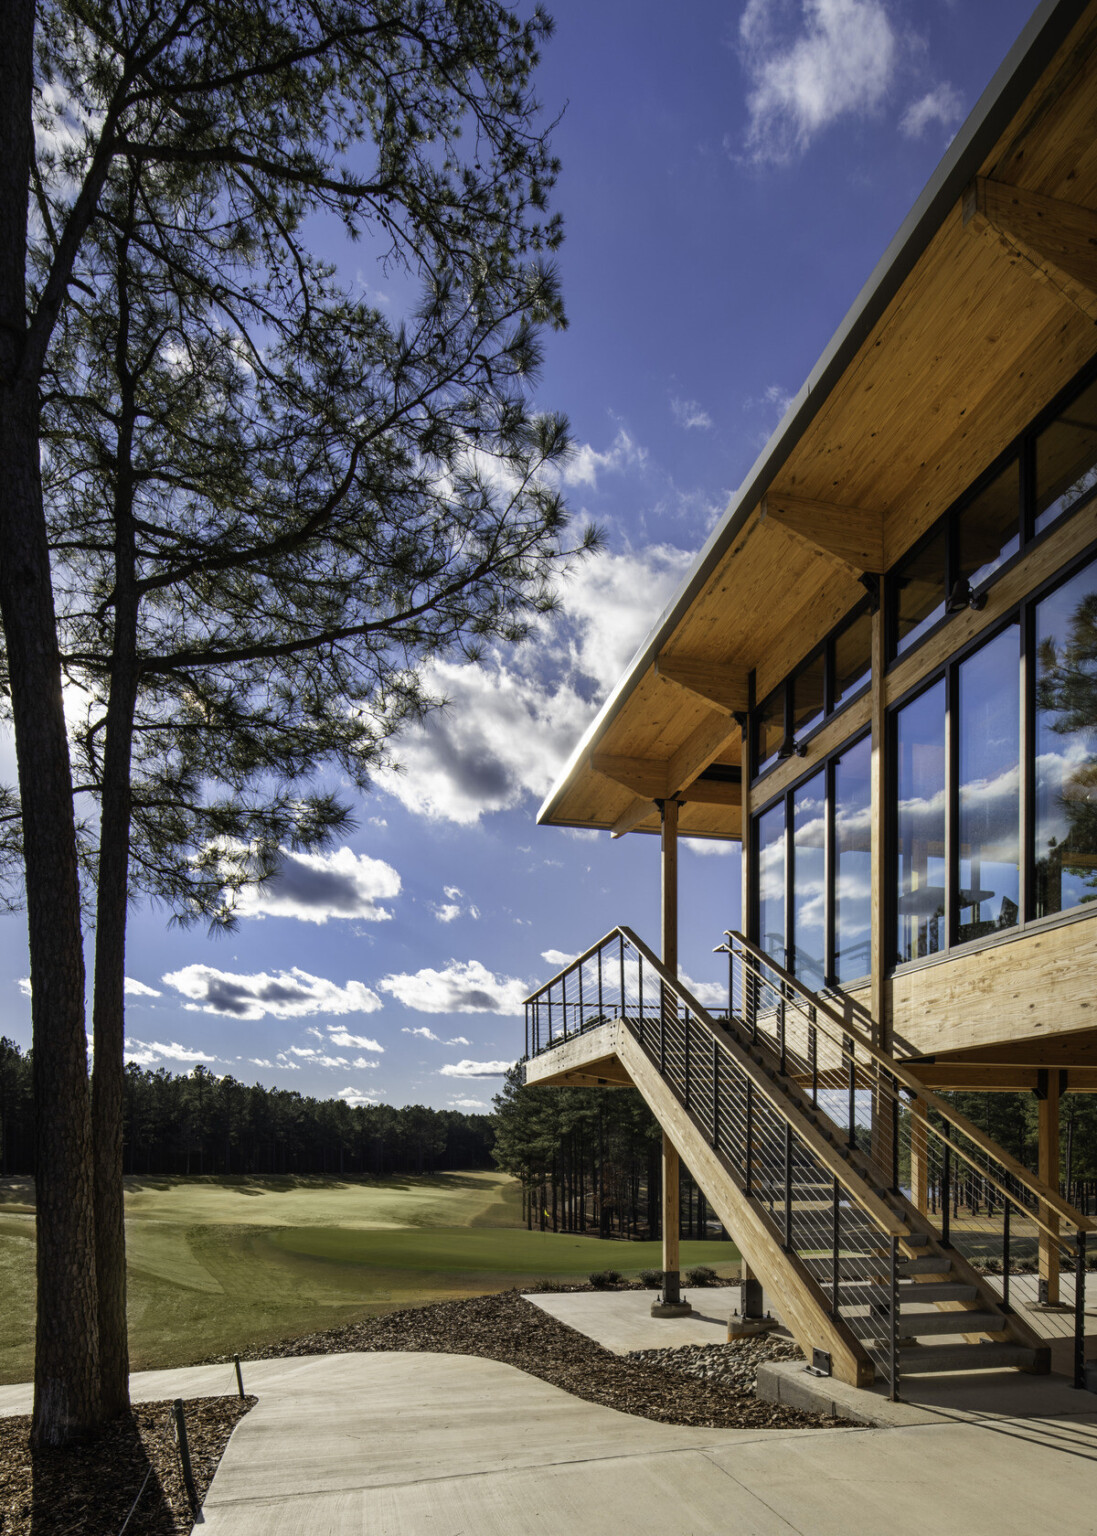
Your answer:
<point x="223" y="1265"/>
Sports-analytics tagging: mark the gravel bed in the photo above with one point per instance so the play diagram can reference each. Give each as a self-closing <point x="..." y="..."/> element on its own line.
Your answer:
<point x="507" y="1328"/>
<point x="89" y="1488"/>
<point x="732" y="1366"/>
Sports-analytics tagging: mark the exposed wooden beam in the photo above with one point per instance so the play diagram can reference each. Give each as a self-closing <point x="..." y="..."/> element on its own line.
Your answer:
<point x="853" y="536"/>
<point x="711" y="792"/>
<point x="639" y="811"/>
<point x="1003" y="1077"/>
<point x="1067" y="1049"/>
<point x="721" y="684"/>
<point x="700" y="748"/>
<point x="1057" y="241"/>
<point x="646" y="776"/>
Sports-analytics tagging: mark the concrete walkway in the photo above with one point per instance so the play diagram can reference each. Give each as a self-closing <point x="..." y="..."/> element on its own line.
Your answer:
<point x="445" y="1445"/>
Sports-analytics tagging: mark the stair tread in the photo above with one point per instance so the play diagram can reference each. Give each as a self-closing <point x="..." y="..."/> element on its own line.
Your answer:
<point x="925" y="1359"/>
<point x="873" y="1325"/>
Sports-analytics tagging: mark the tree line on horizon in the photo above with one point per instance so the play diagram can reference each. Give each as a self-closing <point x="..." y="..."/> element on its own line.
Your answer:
<point x="198" y="1123"/>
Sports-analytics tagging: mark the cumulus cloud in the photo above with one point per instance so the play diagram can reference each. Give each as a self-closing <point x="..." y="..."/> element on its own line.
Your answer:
<point x="149" y="1053"/>
<point x="289" y="994"/>
<point x="356" y="1097"/>
<point x="340" y="1036"/>
<point x="138" y="989"/>
<point x="362" y="1063"/>
<point x="467" y="1104"/>
<point x="24" y="985"/>
<point x="710" y="847"/>
<point x="839" y="61"/>
<point x="514" y="717"/>
<point x="586" y="463"/>
<point x="557" y="957"/>
<point x="943" y="105"/>
<point x="689" y="413"/>
<point x="476" y="1069"/>
<point x="455" y="905"/>
<point x="315" y="886"/>
<point x="462" y="987"/>
<point x="428" y="1034"/>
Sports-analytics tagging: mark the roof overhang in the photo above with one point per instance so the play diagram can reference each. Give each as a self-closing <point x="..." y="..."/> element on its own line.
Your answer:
<point x="964" y="330"/>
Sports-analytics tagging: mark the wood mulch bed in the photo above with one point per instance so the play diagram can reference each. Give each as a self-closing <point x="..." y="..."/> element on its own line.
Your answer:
<point x="89" y="1488"/>
<point x="508" y="1328"/>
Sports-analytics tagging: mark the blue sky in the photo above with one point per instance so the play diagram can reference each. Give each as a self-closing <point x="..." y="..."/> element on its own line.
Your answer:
<point x="731" y="175"/>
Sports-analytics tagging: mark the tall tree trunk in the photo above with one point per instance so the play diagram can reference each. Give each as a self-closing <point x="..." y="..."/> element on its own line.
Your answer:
<point x="66" y="1376"/>
<point x="111" y="908"/>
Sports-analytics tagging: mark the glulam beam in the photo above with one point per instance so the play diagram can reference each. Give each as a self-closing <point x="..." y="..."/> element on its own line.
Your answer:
<point x="1057" y="241"/>
<point x="850" y="536"/>
<point x="720" y="684"/>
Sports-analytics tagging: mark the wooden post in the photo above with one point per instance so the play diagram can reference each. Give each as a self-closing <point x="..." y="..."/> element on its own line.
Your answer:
<point x="880" y="938"/>
<point x="672" y="1295"/>
<point x="919" y="1168"/>
<point x="669" y="849"/>
<point x="1048" y="1169"/>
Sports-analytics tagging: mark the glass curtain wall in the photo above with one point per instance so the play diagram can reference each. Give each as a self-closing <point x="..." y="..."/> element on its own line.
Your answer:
<point x="808" y="959"/>
<point x="853" y="862"/>
<point x="988" y="696"/>
<point x="1065" y="778"/>
<point x="771" y="882"/>
<point x="920" y="829"/>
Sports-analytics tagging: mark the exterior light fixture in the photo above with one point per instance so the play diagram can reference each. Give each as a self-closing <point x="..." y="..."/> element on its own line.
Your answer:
<point x="790" y="748"/>
<point x="962" y="597"/>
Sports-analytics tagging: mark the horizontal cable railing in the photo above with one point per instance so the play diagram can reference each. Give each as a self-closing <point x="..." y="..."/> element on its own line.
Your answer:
<point x="819" y="1210"/>
<point x="989" y="1209"/>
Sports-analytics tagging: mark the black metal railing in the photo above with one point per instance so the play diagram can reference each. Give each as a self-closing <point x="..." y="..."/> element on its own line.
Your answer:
<point x="814" y="1210"/>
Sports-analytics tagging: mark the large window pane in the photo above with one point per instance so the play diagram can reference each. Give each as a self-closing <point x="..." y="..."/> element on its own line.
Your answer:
<point x="920" y="833"/>
<point x="1066" y="745"/>
<point x="852" y="658"/>
<point x="1066" y="458"/>
<point x="990" y="526"/>
<point x="853" y="861"/>
<point x="771" y="882"/>
<point x="920" y="590"/>
<point x="989" y="743"/>
<point x="809" y="811"/>
<point x="769" y="729"/>
<point x="807" y="697"/>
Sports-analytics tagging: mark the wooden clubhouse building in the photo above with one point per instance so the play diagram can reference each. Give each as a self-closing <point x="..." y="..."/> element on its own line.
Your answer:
<point x="881" y="676"/>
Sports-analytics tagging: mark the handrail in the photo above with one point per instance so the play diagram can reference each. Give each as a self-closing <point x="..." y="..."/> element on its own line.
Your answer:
<point x="895" y="1069"/>
<point x="850" y="1177"/>
<point x="574" y="965"/>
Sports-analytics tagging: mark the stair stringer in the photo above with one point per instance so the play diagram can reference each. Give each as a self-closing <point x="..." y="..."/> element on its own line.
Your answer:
<point x="797" y="1296"/>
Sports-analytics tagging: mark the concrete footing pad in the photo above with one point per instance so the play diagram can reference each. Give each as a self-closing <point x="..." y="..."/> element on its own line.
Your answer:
<point x="671" y="1309"/>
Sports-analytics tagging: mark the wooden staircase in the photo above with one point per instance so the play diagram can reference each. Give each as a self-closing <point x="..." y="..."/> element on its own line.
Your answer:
<point x="815" y="1200"/>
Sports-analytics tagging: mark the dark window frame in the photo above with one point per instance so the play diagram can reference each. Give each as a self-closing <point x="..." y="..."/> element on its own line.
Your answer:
<point x="825" y="766"/>
<point x="1023" y="614"/>
<point x="1022" y="450"/>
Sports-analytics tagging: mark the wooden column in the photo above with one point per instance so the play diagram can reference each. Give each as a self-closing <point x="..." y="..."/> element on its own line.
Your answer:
<point x="1048" y="1169"/>
<point x="672" y="1294"/>
<point x="919" y="1168"/>
<point x="881" y="1030"/>
<point x="668" y="815"/>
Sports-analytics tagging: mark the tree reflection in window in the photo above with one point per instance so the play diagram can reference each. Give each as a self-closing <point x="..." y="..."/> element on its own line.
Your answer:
<point x="1066" y="745"/>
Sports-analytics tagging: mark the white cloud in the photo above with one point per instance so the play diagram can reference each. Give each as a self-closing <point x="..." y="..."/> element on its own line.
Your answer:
<point x="340" y="1036"/>
<point x="289" y="994"/>
<point x="138" y="989"/>
<point x="467" y="1104"/>
<point x="710" y="847"/>
<point x="943" y="105"/>
<point x="557" y="957"/>
<point x="455" y="905"/>
<point x="356" y="1097"/>
<point x="362" y="1063"/>
<point x="315" y="886"/>
<point x="689" y="413"/>
<point x="24" y="985"/>
<point x="147" y="1053"/>
<point x="462" y="987"/>
<point x="458" y="1040"/>
<point x="840" y="61"/>
<point x="476" y="1069"/>
<point x="428" y="1034"/>
<point x="260" y="1061"/>
<point x="514" y="717"/>
<point x="586" y="463"/>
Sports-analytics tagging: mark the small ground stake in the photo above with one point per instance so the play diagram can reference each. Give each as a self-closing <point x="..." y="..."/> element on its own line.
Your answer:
<point x="184" y="1451"/>
<point x="239" y="1376"/>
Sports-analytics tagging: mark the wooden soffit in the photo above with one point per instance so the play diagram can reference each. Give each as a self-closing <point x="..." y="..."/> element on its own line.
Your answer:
<point x="980" y="312"/>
